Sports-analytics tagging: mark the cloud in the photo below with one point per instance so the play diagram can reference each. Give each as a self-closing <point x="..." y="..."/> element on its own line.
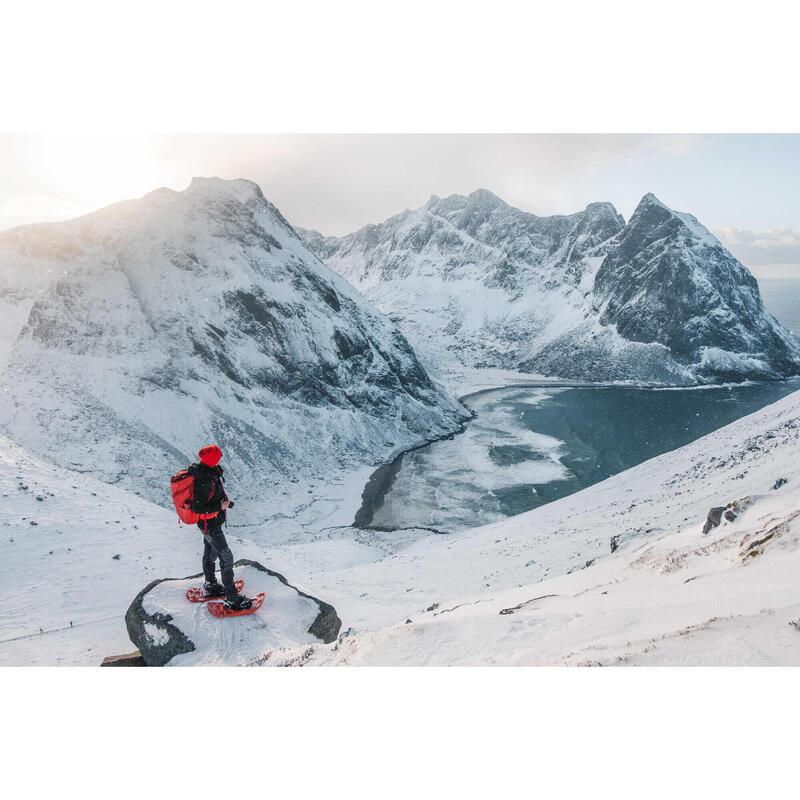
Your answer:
<point x="774" y="253"/>
<point x="773" y="246"/>
<point x="26" y="209"/>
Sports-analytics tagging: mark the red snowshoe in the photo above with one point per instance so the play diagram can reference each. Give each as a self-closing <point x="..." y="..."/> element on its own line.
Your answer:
<point x="222" y="610"/>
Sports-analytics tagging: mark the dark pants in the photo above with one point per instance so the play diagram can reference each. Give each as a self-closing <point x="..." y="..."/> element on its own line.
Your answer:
<point x="217" y="548"/>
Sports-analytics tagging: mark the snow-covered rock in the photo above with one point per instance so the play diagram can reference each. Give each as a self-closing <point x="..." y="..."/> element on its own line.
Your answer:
<point x="474" y="282"/>
<point x="168" y="629"/>
<point x="157" y="325"/>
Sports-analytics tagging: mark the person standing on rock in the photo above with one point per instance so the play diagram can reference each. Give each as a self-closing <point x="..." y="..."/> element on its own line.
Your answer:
<point x="210" y="498"/>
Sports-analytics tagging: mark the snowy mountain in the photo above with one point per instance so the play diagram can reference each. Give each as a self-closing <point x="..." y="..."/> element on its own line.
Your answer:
<point x="474" y="282"/>
<point x="668" y="280"/>
<point x="156" y="325"/>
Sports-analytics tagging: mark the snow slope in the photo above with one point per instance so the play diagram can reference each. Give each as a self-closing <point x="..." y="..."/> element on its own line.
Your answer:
<point x="75" y="552"/>
<point x="668" y="595"/>
<point x="157" y="325"/>
<point x="474" y="282"/>
<point x="545" y="588"/>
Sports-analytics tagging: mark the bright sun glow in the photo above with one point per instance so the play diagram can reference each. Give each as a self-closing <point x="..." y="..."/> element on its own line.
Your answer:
<point x="94" y="171"/>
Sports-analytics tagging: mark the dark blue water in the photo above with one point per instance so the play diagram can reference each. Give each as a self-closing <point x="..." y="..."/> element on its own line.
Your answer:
<point x="531" y="446"/>
<point x="781" y="297"/>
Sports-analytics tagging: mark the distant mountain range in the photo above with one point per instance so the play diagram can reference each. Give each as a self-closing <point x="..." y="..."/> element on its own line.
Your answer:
<point x="475" y="282"/>
<point x="137" y="334"/>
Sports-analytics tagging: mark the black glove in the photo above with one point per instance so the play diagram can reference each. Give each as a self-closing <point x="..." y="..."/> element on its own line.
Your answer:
<point x="230" y="503"/>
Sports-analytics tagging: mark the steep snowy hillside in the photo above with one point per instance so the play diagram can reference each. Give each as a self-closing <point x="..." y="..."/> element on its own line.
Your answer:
<point x="474" y="282"/>
<point x="156" y="325"/>
<point x="620" y="572"/>
<point x="75" y="552"/>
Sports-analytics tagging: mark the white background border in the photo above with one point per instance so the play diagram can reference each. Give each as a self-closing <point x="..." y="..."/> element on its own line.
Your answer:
<point x="399" y="67"/>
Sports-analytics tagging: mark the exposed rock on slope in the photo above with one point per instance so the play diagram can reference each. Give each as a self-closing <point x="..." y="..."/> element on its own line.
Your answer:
<point x="164" y="625"/>
<point x="184" y="317"/>
<point x="473" y="281"/>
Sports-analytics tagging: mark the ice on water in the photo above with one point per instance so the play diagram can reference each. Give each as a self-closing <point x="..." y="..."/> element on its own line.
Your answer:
<point x="453" y="484"/>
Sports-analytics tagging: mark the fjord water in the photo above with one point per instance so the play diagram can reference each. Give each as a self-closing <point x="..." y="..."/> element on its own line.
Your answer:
<point x="529" y="446"/>
<point x="781" y="297"/>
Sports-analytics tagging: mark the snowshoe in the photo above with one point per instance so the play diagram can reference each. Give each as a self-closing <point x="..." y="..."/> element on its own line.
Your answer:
<point x="246" y="606"/>
<point x="238" y="603"/>
<point x="200" y="595"/>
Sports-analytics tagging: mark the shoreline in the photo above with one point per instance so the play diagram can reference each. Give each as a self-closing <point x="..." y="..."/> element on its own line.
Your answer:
<point x="381" y="480"/>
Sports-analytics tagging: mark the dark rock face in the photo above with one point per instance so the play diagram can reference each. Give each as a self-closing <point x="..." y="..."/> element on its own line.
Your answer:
<point x="668" y="281"/>
<point x="155" y="651"/>
<point x="159" y="640"/>
<point x="713" y="519"/>
<point x="729" y="512"/>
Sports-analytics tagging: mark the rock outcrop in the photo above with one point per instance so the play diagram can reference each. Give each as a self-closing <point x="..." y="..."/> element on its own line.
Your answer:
<point x="729" y="513"/>
<point x="167" y="628"/>
<point x="134" y="659"/>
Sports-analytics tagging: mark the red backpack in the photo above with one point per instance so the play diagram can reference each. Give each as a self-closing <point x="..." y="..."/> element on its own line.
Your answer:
<point x="182" y="486"/>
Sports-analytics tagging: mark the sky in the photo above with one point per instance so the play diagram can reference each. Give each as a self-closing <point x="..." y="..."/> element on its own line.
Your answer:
<point x="744" y="187"/>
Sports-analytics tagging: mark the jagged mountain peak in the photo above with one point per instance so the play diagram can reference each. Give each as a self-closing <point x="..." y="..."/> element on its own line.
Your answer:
<point x="580" y="295"/>
<point x="603" y="208"/>
<point x="485" y="197"/>
<point x="668" y="281"/>
<point x="652" y="213"/>
<point x="650" y="199"/>
<point x="479" y="199"/>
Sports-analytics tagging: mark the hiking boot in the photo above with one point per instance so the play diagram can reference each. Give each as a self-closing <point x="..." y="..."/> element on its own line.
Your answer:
<point x="238" y="603"/>
<point x="213" y="589"/>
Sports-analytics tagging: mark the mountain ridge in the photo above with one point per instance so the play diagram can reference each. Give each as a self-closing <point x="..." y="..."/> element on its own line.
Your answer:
<point x="559" y="292"/>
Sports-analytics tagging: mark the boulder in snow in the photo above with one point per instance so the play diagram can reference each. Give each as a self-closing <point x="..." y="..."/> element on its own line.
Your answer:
<point x="167" y="628"/>
<point x="729" y="512"/>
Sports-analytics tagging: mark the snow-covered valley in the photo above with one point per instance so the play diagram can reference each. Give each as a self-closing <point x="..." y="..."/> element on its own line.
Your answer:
<point x="515" y="592"/>
<point x="545" y="587"/>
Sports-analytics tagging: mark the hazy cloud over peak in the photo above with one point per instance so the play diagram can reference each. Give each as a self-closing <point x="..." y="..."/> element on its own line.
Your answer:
<point x="777" y="248"/>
